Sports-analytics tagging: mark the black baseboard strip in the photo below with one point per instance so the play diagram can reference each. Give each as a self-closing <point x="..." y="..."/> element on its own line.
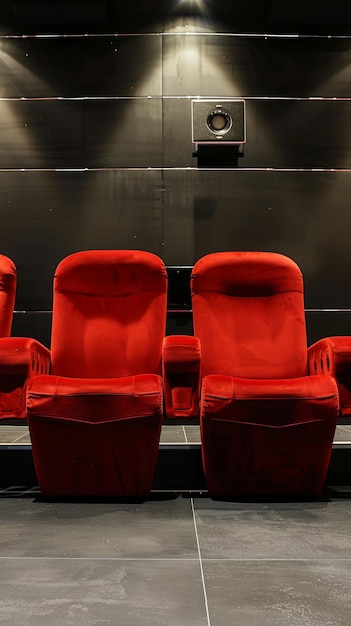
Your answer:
<point x="179" y="468"/>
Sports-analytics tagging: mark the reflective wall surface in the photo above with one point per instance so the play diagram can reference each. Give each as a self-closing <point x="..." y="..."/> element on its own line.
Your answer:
<point x="96" y="150"/>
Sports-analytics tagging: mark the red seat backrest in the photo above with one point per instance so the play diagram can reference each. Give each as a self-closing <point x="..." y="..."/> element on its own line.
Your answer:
<point x="109" y="314"/>
<point x="8" y="283"/>
<point x="248" y="312"/>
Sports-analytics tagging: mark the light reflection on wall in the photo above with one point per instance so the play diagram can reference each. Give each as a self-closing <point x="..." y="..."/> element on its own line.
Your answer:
<point x="17" y="137"/>
<point x="200" y="4"/>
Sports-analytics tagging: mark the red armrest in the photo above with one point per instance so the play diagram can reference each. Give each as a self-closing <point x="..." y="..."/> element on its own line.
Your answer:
<point x="181" y="360"/>
<point x="332" y="355"/>
<point x="20" y="359"/>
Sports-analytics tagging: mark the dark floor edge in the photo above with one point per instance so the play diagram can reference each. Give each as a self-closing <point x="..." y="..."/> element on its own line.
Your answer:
<point x="179" y="468"/>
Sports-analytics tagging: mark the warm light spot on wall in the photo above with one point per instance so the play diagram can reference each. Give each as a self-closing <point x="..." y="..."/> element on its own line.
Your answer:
<point x="18" y="138"/>
<point x="190" y="3"/>
<point x="198" y="6"/>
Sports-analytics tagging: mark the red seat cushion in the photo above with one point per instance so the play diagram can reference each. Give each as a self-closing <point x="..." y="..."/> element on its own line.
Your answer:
<point x="95" y="400"/>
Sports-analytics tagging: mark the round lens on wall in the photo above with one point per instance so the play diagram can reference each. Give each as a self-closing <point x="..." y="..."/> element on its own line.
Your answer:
<point x="219" y="121"/>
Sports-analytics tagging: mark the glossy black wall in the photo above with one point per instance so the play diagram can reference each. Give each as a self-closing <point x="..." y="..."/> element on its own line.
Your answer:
<point x="96" y="152"/>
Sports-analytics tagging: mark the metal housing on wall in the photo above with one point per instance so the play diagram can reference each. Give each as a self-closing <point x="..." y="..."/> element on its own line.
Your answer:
<point x="218" y="120"/>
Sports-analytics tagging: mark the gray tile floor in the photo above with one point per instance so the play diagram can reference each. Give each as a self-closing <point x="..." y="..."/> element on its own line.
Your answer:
<point x="174" y="559"/>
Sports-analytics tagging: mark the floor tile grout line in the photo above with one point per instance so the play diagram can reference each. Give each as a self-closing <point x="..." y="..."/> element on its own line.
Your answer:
<point x="173" y="559"/>
<point x="200" y="564"/>
<point x="98" y="558"/>
<point x="20" y="437"/>
<point x="275" y="560"/>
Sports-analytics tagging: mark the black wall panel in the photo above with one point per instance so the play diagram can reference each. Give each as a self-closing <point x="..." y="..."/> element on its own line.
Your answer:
<point x="225" y="65"/>
<point x="80" y="66"/>
<point x="48" y="215"/>
<point x="305" y="215"/>
<point x="96" y="151"/>
<point x="81" y="133"/>
<point x="327" y="323"/>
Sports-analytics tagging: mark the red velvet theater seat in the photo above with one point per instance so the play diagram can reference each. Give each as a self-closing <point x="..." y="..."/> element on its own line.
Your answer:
<point x="20" y="357"/>
<point x="95" y="421"/>
<point x="267" y="423"/>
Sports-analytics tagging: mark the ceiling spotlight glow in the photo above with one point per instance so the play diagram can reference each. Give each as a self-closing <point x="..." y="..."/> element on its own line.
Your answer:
<point x="191" y="3"/>
<point x="195" y="7"/>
